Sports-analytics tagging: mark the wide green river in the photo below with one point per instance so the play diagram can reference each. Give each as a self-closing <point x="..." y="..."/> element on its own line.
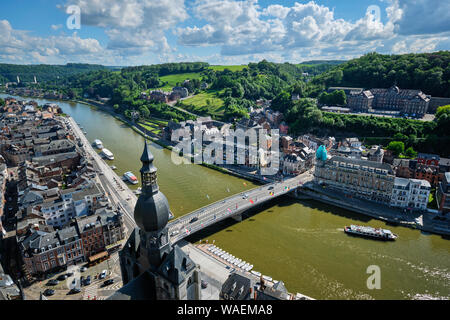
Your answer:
<point x="301" y="243"/>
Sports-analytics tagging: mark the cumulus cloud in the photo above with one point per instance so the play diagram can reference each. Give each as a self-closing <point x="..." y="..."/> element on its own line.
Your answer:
<point x="26" y="48"/>
<point x="243" y="28"/>
<point x="134" y="25"/>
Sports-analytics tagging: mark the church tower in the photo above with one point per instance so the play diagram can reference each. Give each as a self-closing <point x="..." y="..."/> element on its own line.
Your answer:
<point x="153" y="269"/>
<point x="151" y="215"/>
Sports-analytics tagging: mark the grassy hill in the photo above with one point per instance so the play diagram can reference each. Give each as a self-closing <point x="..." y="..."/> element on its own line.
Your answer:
<point x="207" y="99"/>
<point x="172" y="79"/>
<point x="231" y="68"/>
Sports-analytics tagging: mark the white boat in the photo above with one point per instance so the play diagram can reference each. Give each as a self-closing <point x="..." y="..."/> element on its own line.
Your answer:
<point x="113" y="167"/>
<point x="256" y="273"/>
<point x="98" y="144"/>
<point x="107" y="154"/>
<point x="240" y="264"/>
<point x="131" y="178"/>
<point x="267" y="278"/>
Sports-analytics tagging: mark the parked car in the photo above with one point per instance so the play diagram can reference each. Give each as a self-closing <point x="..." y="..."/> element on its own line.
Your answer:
<point x="49" y="292"/>
<point x="83" y="269"/>
<point x="204" y="284"/>
<point x="81" y="280"/>
<point x="108" y="282"/>
<point x="103" y="274"/>
<point x="62" y="277"/>
<point x="193" y="219"/>
<point x="87" y="281"/>
<point x="74" y="291"/>
<point x="53" y="282"/>
<point x="69" y="274"/>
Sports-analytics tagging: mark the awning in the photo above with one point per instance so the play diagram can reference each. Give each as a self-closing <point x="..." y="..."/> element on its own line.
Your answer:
<point x="98" y="256"/>
<point x="115" y="244"/>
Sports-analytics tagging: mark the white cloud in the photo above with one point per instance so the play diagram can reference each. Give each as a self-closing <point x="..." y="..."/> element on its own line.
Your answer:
<point x="27" y="48"/>
<point x="243" y="28"/>
<point x="56" y="26"/>
<point x="135" y="25"/>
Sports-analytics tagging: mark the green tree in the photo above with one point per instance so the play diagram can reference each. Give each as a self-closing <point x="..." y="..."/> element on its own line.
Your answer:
<point x="145" y="113"/>
<point x="282" y="102"/>
<point x="410" y="153"/>
<point x="397" y="147"/>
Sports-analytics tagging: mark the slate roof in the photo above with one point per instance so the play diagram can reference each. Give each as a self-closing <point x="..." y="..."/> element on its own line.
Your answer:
<point x="176" y="266"/>
<point x="236" y="287"/>
<point x="372" y="164"/>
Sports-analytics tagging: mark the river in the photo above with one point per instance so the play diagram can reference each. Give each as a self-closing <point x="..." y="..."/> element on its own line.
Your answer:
<point x="301" y="243"/>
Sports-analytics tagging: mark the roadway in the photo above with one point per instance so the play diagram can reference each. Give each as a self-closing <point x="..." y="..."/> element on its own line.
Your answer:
<point x="232" y="206"/>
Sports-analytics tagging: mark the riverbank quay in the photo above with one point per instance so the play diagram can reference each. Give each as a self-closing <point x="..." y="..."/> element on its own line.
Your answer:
<point x="418" y="220"/>
<point x="117" y="191"/>
<point x="216" y="271"/>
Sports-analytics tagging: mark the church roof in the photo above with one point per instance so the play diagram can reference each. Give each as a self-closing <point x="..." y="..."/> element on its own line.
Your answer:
<point x="146" y="156"/>
<point x="176" y="266"/>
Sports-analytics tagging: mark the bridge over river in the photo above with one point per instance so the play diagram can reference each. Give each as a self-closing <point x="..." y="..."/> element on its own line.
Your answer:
<point x="232" y="206"/>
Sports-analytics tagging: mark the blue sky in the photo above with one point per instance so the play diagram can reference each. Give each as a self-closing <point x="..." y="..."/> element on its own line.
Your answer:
<point x="134" y="32"/>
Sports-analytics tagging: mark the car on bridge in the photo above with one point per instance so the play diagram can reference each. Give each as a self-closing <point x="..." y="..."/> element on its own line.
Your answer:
<point x="271" y="188"/>
<point x="193" y="219"/>
<point x="245" y="196"/>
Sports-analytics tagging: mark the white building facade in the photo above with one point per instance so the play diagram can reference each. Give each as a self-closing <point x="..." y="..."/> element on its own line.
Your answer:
<point x="410" y="193"/>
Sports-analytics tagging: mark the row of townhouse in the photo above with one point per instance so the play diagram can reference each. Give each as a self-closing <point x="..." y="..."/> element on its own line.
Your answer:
<point x="371" y="180"/>
<point x="45" y="251"/>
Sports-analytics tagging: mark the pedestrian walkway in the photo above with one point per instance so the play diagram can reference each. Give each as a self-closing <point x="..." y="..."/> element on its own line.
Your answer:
<point x="90" y="292"/>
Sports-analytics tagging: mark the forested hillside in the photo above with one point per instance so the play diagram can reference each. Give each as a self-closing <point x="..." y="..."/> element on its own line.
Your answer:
<point x="429" y="72"/>
<point x="43" y="72"/>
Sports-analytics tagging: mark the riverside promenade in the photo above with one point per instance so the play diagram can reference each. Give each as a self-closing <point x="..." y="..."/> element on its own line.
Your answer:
<point x="117" y="191"/>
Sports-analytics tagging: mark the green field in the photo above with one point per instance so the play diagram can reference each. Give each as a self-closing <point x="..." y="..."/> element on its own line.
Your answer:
<point x="173" y="79"/>
<point x="231" y="68"/>
<point x="215" y="105"/>
<point x="153" y="125"/>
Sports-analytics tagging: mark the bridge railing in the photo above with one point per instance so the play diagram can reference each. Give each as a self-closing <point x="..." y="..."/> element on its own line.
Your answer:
<point x="182" y="223"/>
<point x="187" y="216"/>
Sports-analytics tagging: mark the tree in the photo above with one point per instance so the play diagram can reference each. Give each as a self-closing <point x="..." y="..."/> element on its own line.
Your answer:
<point x="397" y="147"/>
<point x="282" y="102"/>
<point x="410" y="153"/>
<point x="145" y="113"/>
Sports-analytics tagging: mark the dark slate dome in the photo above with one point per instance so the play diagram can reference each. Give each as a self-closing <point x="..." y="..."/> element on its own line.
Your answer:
<point x="151" y="212"/>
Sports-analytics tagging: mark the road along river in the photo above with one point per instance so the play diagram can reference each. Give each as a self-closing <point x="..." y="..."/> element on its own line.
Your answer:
<point x="301" y="243"/>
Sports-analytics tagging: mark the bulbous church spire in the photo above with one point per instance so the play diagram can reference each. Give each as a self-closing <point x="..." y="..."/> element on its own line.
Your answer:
<point x="151" y="212"/>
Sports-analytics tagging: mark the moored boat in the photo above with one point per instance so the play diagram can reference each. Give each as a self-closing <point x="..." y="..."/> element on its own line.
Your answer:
<point x="369" y="232"/>
<point x="130" y="177"/>
<point x="98" y="144"/>
<point x="107" y="154"/>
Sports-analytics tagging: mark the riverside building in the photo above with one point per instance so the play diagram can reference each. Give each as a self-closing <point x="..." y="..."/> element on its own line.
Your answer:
<point x="364" y="179"/>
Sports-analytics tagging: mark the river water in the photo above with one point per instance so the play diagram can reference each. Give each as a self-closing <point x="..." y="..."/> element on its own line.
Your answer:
<point x="301" y="243"/>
